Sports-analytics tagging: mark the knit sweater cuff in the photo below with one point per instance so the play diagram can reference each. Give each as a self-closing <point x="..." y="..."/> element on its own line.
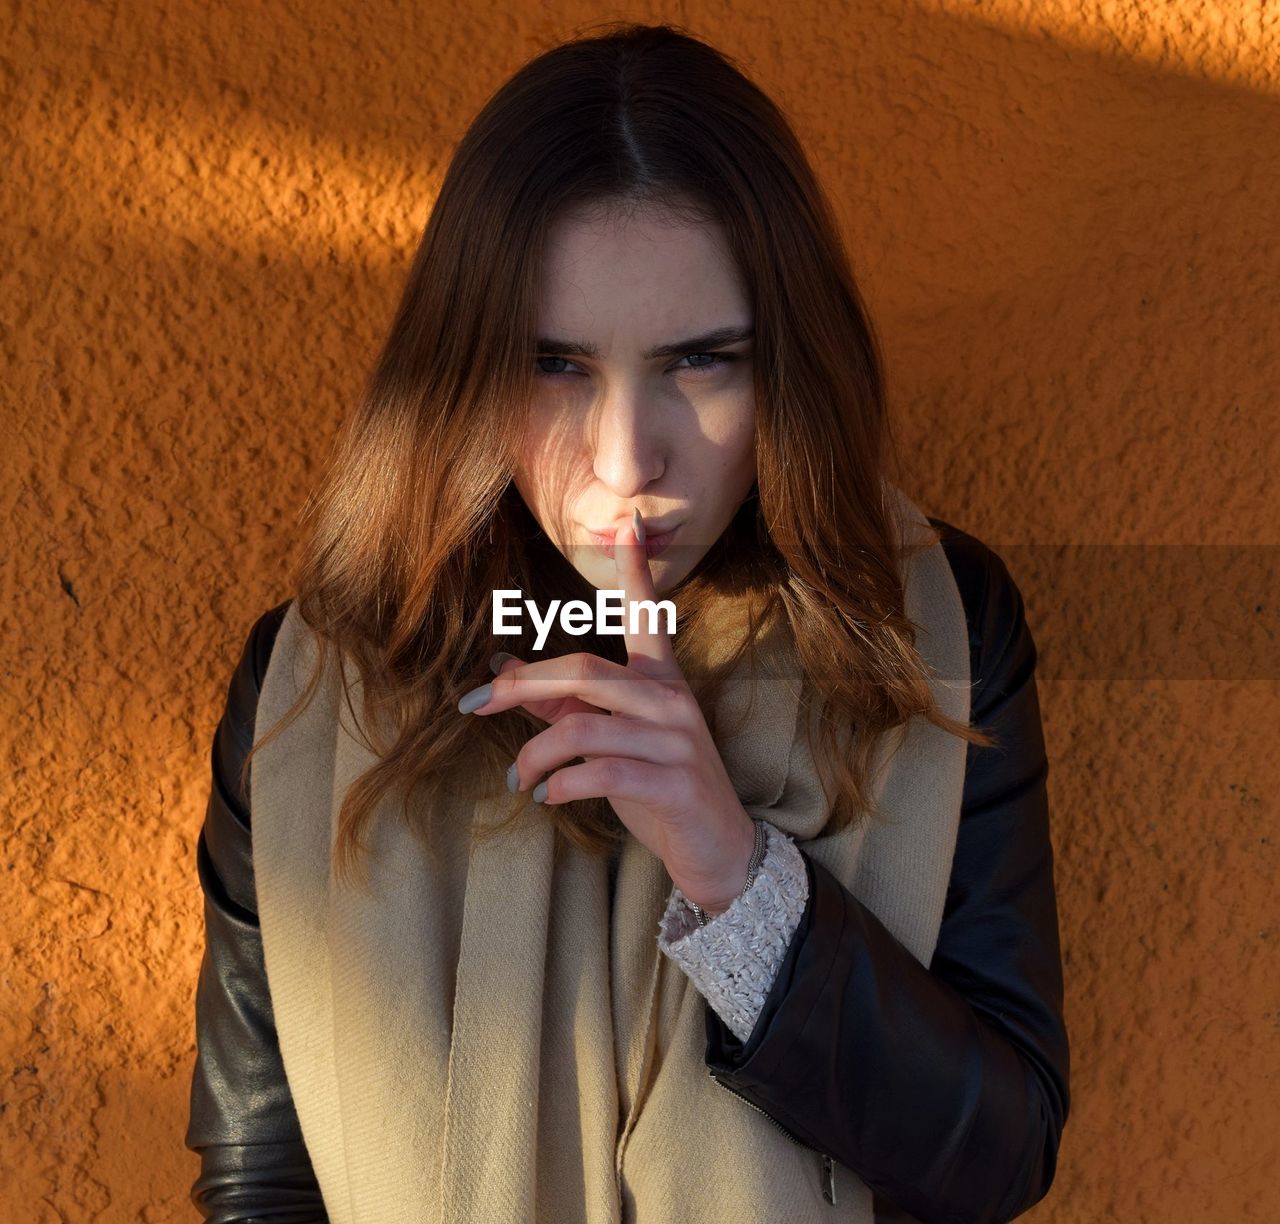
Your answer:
<point x="734" y="959"/>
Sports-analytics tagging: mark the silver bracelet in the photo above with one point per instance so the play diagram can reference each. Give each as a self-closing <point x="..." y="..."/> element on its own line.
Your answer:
<point x="757" y="858"/>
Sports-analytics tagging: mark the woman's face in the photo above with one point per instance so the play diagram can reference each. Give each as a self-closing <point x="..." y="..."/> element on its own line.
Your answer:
<point x="631" y="408"/>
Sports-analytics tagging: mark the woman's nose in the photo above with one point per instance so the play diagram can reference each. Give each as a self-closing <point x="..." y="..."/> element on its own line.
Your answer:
<point x="629" y="452"/>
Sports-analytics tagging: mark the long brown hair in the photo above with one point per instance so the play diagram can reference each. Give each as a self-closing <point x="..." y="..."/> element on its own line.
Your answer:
<point x="416" y="519"/>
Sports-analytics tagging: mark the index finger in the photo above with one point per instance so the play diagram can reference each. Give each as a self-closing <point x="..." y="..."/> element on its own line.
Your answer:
<point x="649" y="646"/>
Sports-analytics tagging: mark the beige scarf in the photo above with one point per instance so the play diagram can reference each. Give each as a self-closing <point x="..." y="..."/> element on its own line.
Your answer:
<point x="489" y="1040"/>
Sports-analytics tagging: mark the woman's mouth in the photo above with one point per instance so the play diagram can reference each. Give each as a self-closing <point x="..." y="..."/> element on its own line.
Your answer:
<point x="653" y="544"/>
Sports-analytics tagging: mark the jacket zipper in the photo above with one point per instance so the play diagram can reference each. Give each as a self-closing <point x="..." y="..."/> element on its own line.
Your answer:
<point x="828" y="1165"/>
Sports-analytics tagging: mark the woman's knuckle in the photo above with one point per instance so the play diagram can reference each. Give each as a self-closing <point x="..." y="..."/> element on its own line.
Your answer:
<point x="576" y="727"/>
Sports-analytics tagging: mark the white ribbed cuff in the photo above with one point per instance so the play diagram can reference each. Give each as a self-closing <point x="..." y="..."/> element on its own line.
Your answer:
<point x="734" y="959"/>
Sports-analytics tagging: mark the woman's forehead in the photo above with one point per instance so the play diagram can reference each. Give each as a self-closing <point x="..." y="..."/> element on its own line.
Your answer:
<point x="653" y="283"/>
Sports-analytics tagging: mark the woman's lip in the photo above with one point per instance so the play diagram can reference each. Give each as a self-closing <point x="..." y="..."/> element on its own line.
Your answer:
<point x="653" y="544"/>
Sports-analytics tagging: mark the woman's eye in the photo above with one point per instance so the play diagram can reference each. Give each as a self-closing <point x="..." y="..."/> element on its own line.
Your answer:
<point x="551" y="373"/>
<point x="717" y="360"/>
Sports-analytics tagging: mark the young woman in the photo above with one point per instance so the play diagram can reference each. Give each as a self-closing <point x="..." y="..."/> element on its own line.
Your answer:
<point x="749" y="920"/>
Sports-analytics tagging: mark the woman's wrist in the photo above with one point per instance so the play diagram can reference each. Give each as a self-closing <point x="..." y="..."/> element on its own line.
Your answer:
<point x="745" y="871"/>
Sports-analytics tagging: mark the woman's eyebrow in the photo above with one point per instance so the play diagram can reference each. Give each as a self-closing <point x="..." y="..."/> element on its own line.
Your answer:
<point x="694" y="344"/>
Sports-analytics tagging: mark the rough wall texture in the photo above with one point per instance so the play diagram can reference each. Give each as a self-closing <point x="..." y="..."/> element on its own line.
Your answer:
<point x="1063" y="217"/>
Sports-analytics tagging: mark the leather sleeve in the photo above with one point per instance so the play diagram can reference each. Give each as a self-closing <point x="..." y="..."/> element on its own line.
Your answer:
<point x="254" y="1163"/>
<point x="945" y="1088"/>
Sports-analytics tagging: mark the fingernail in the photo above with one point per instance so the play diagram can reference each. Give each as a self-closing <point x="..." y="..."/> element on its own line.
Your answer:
<point x="476" y="698"/>
<point x="540" y="792"/>
<point x="638" y="523"/>
<point x="513" y="778"/>
<point x="498" y="659"/>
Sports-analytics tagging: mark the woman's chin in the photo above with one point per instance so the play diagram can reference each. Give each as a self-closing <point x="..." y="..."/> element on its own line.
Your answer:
<point x="598" y="569"/>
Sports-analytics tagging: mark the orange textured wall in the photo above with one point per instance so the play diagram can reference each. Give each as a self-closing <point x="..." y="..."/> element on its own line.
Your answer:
<point x="1064" y="219"/>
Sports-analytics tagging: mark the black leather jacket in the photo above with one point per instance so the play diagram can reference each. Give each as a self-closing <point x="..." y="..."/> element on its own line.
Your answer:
<point x="945" y="1089"/>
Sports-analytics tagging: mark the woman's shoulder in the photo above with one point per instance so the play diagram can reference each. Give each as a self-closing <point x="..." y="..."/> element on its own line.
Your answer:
<point x="1000" y="640"/>
<point x="246" y="682"/>
<point x="262" y="637"/>
<point x="226" y="857"/>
